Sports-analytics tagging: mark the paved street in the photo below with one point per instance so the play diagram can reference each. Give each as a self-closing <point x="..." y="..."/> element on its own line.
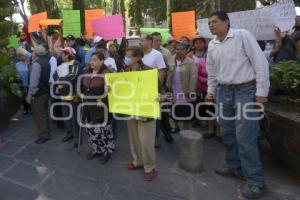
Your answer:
<point x="55" y="171"/>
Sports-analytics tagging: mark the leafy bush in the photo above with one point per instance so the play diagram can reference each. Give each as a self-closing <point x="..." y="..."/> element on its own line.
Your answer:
<point x="10" y="82"/>
<point x="285" y="78"/>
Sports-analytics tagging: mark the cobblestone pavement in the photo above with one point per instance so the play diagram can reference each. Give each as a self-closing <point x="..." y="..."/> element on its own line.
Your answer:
<point x="55" y="171"/>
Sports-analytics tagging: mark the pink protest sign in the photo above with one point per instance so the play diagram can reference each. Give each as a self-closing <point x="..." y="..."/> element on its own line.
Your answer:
<point x="109" y="28"/>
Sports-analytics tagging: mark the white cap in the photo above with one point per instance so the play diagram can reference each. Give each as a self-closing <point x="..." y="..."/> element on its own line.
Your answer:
<point x="97" y="39"/>
<point x="23" y="52"/>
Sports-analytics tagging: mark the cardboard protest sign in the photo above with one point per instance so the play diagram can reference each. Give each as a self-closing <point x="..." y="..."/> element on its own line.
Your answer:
<point x="89" y="16"/>
<point x="163" y="31"/>
<point x="33" y="24"/>
<point x="72" y="23"/>
<point x="134" y="93"/>
<point x="183" y="24"/>
<point x="109" y="28"/>
<point x="48" y="22"/>
<point x="260" y="22"/>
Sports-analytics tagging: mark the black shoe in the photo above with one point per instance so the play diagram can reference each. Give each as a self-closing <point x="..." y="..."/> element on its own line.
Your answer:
<point x="229" y="174"/>
<point x="67" y="138"/>
<point x="91" y="156"/>
<point x="105" y="159"/>
<point x="42" y="140"/>
<point x="208" y="135"/>
<point x="252" y="192"/>
<point x="169" y="138"/>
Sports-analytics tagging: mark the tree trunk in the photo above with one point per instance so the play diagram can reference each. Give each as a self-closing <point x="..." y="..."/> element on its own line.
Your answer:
<point x="80" y="5"/>
<point x="115" y="9"/>
<point x="122" y="10"/>
<point x="49" y="6"/>
<point x="138" y="13"/>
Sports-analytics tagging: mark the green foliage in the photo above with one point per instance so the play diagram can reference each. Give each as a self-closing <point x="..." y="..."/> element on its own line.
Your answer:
<point x="285" y="78"/>
<point x="7" y="27"/>
<point x="50" y="6"/>
<point x="206" y="7"/>
<point x="269" y="2"/>
<point x="10" y="81"/>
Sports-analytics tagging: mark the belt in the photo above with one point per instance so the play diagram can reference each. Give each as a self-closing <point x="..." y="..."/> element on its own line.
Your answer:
<point x="238" y="86"/>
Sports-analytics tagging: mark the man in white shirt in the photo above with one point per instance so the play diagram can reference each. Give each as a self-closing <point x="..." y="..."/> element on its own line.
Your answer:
<point x="109" y="62"/>
<point x="238" y="78"/>
<point x="154" y="59"/>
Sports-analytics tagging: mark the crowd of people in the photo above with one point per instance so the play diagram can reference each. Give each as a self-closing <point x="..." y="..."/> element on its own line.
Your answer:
<point x="231" y="69"/>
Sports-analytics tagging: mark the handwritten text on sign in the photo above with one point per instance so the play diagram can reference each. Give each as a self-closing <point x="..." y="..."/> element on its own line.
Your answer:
<point x="134" y="93"/>
<point x="260" y="22"/>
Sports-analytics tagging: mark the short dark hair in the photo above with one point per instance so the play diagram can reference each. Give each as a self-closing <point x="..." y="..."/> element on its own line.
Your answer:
<point x="222" y="15"/>
<point x="101" y="45"/>
<point x="155" y="34"/>
<point x="99" y="55"/>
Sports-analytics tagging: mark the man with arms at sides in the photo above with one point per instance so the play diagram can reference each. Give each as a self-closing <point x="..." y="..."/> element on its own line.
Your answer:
<point x="238" y="78"/>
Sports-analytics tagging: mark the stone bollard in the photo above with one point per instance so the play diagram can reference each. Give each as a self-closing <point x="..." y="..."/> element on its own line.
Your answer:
<point x="191" y="151"/>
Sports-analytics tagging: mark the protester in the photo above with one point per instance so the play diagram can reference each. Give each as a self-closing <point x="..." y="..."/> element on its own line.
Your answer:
<point x="291" y="52"/>
<point x="68" y="72"/>
<point x="199" y="49"/>
<point x="101" y="135"/>
<point x="185" y="40"/>
<point x="113" y="53"/>
<point x="157" y="41"/>
<point x="108" y="61"/>
<point x="141" y="130"/>
<point x="92" y="50"/>
<point x="155" y="60"/>
<point x="38" y="93"/>
<point x="80" y="53"/>
<point x="23" y="70"/>
<point x="172" y="46"/>
<point x="245" y="81"/>
<point x="182" y="82"/>
<point x="23" y="42"/>
<point x="272" y="48"/>
<point x="55" y="43"/>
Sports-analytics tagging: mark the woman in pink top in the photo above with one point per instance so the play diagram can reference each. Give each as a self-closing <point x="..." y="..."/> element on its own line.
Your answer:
<point x="201" y="92"/>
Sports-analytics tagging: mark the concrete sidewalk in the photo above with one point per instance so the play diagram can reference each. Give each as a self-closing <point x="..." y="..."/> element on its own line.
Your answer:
<point x="55" y="171"/>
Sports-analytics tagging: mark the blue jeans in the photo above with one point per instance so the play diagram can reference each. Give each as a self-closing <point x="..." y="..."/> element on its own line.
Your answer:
<point x="240" y="136"/>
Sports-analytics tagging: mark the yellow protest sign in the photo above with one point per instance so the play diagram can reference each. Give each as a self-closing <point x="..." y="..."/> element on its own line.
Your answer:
<point x="134" y="93"/>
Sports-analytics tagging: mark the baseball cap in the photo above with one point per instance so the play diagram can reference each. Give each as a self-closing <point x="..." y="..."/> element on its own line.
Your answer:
<point x="69" y="50"/>
<point x="70" y="37"/>
<point x="97" y="39"/>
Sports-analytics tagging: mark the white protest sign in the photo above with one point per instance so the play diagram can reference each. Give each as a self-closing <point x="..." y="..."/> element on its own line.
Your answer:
<point x="260" y="22"/>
